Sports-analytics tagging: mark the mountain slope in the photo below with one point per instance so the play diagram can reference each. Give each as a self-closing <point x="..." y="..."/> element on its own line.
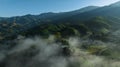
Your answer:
<point x="15" y="25"/>
<point x="115" y="4"/>
<point x="107" y="12"/>
<point x="49" y="15"/>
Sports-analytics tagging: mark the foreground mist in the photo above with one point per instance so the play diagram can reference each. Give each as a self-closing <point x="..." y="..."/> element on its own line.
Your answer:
<point x="39" y="52"/>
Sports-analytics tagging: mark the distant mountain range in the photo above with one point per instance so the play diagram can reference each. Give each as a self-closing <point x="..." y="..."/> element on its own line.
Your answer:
<point x="48" y="15"/>
<point x="85" y="18"/>
<point x="83" y="14"/>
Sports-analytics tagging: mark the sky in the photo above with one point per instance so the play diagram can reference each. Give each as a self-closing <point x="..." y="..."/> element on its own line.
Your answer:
<point x="10" y="8"/>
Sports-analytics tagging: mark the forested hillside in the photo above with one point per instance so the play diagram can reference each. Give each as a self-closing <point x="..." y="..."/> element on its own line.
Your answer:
<point x="87" y="37"/>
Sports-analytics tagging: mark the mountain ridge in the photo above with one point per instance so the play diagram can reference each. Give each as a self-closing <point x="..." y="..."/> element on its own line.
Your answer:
<point x="15" y="25"/>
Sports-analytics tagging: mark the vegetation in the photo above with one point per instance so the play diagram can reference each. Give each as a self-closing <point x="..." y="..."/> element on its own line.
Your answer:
<point x="90" y="25"/>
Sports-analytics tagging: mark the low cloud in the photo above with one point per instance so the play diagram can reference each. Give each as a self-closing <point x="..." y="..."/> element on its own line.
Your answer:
<point x="39" y="52"/>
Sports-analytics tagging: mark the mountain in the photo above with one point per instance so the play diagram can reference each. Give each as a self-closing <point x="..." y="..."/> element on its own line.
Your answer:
<point x="91" y="20"/>
<point x="85" y="9"/>
<point x="115" y="4"/>
<point x="48" y="15"/>
<point x="98" y="21"/>
<point x="87" y="37"/>
<point x="29" y="21"/>
<point x="2" y="18"/>
<point x="110" y="13"/>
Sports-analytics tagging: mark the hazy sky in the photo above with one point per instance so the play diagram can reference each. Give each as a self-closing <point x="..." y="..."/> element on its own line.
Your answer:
<point x="22" y="7"/>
